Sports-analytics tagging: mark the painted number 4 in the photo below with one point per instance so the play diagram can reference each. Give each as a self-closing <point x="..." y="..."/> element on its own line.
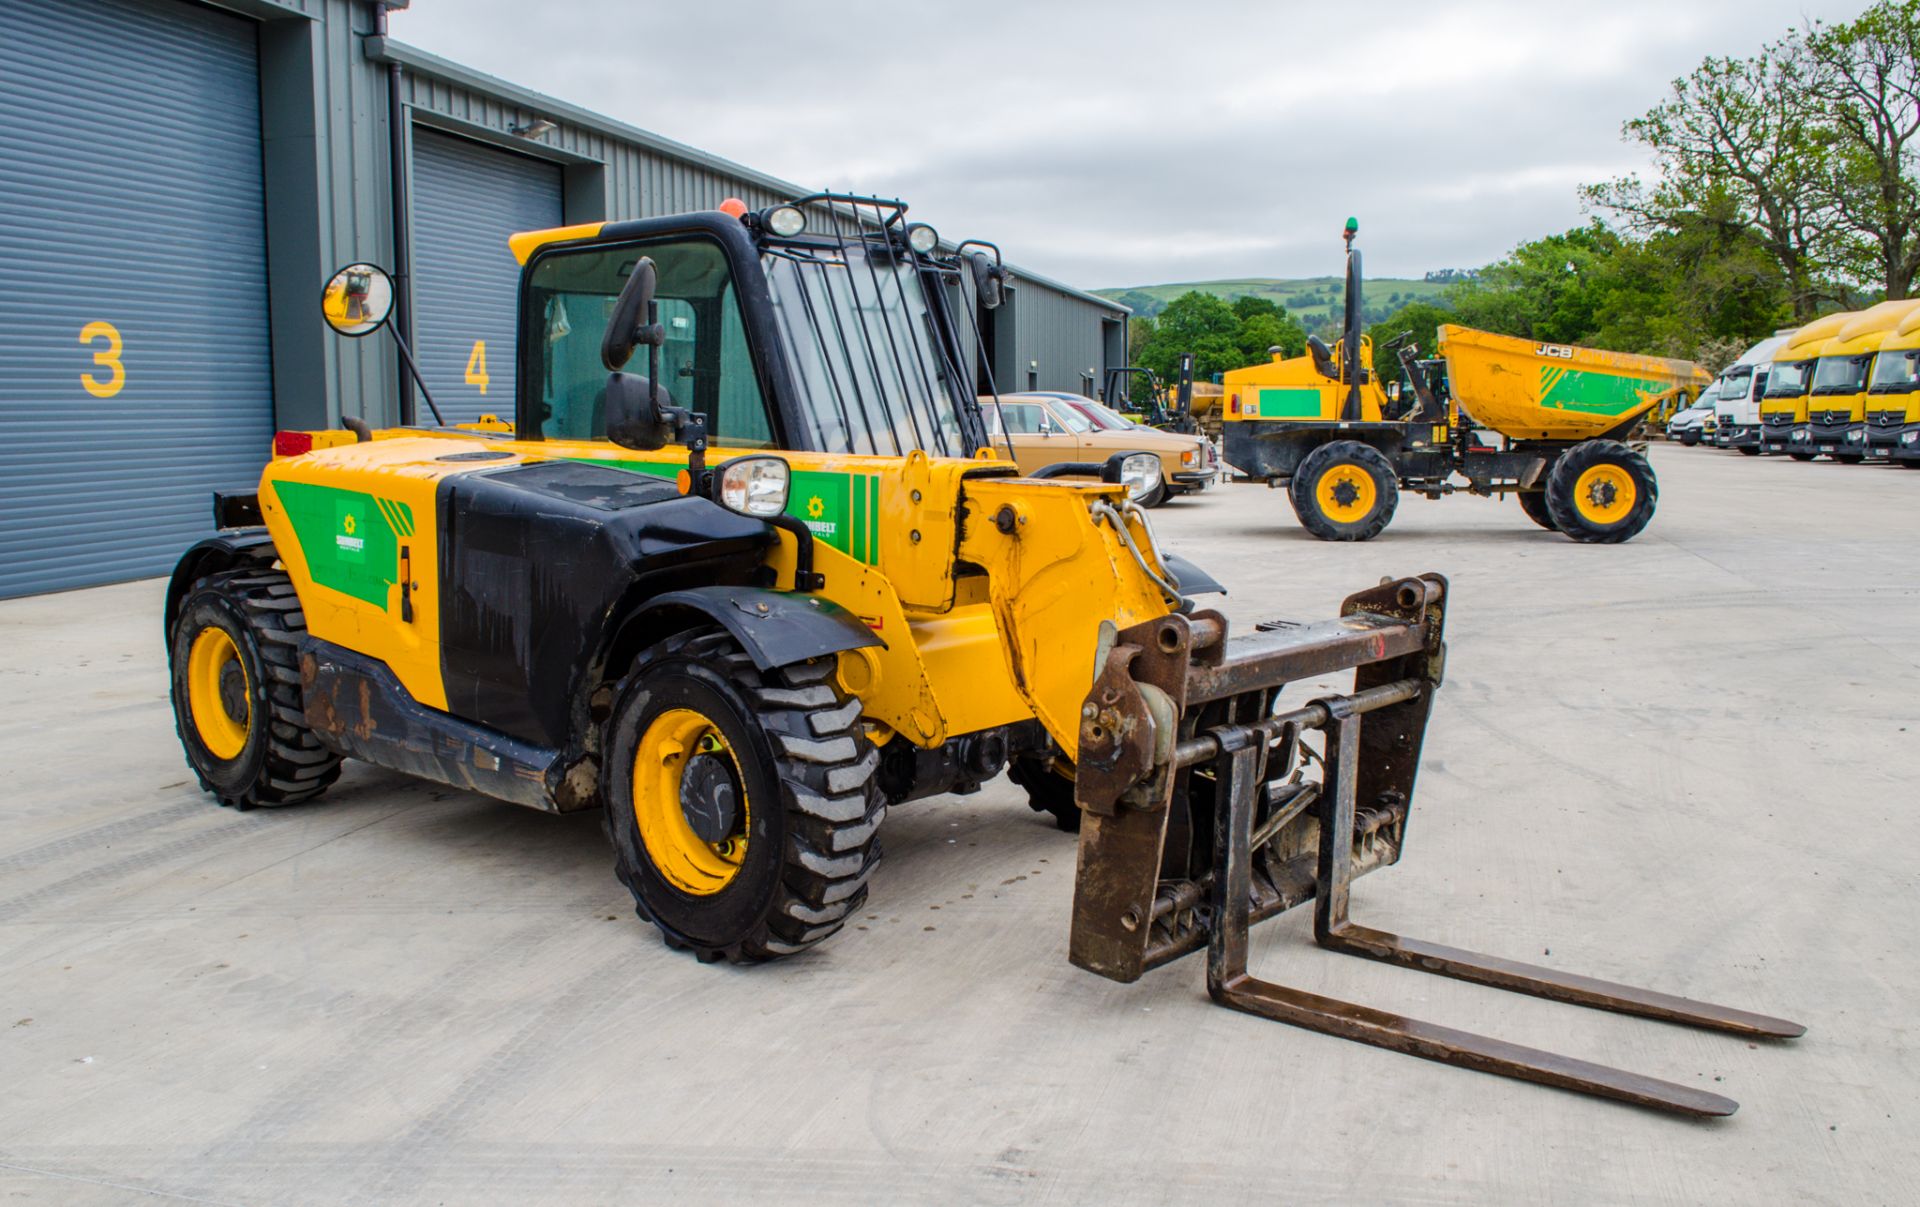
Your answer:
<point x="477" y="366"/>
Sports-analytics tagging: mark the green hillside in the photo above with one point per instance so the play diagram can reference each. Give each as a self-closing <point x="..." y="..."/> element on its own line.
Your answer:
<point x="1312" y="300"/>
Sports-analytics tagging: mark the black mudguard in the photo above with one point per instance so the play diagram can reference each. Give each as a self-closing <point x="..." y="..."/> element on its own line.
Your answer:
<point x="222" y="551"/>
<point x="776" y="627"/>
<point x="1191" y="579"/>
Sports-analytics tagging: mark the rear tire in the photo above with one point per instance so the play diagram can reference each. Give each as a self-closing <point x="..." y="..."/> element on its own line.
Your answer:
<point x="237" y="702"/>
<point x="773" y="765"/>
<point x="1344" y="491"/>
<point x="1601" y="492"/>
<point x="1048" y="791"/>
<point x="1534" y="503"/>
<point x="1749" y="450"/>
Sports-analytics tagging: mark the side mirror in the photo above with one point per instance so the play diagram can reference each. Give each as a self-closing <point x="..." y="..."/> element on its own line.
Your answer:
<point x="637" y="412"/>
<point x="358" y="299"/>
<point x="633" y="323"/>
<point x="1046" y="427"/>
<point x="986" y="279"/>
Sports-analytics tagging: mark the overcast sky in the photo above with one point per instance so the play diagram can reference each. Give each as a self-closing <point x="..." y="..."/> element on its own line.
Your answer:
<point x="1121" y="143"/>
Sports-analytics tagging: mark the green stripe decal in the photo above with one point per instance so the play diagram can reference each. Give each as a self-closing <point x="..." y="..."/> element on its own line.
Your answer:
<point x="1563" y="389"/>
<point x="1290" y="403"/>
<point x="873" y="530"/>
<point x="347" y="545"/>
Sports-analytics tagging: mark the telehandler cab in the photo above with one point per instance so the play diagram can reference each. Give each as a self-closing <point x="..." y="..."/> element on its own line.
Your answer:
<point x="746" y="602"/>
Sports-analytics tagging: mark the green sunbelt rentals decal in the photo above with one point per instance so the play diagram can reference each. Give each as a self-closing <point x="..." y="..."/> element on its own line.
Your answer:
<point x="1289" y="402"/>
<point x="1563" y="389"/>
<point x="840" y="509"/>
<point x="351" y="539"/>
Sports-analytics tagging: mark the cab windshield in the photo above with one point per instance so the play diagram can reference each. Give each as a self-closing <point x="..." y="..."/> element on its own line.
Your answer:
<point x="1896" y="372"/>
<point x="1789" y="379"/>
<point x="1735" y="383"/>
<point x="873" y="369"/>
<point x="1841" y="375"/>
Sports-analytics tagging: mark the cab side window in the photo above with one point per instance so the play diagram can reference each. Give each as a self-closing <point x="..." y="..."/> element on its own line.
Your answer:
<point x="705" y="364"/>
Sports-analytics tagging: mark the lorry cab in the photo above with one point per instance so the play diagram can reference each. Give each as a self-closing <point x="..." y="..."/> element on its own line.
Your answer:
<point x="1837" y="391"/>
<point x="1893" y="397"/>
<point x="1737" y="400"/>
<point x="1783" y="406"/>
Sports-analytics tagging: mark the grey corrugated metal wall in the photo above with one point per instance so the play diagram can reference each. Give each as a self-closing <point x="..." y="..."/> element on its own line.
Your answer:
<point x="135" y="370"/>
<point x="467" y="198"/>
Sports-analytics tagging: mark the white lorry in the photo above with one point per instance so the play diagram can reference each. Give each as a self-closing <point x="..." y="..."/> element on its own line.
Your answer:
<point x="1737" y="401"/>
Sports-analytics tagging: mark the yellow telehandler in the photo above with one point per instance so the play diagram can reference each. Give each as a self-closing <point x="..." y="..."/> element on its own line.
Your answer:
<point x="747" y="601"/>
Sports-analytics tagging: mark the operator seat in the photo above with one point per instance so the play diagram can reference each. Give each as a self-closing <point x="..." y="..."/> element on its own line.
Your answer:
<point x="1322" y="357"/>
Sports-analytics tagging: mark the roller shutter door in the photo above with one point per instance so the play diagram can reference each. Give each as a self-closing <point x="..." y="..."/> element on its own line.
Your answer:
<point x="467" y="198"/>
<point x="134" y="362"/>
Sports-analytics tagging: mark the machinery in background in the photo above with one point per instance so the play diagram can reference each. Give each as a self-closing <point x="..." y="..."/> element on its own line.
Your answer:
<point x="1544" y="422"/>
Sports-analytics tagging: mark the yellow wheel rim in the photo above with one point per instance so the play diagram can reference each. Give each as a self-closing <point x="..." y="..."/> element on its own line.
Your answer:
<point x="1346" y="493"/>
<point x="683" y="858"/>
<point x="1605" y="494"/>
<point x="219" y="694"/>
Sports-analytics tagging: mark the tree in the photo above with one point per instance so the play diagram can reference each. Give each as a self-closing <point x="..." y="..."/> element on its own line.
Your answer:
<point x="1866" y="76"/>
<point x="1421" y="321"/>
<point x="1739" y="139"/>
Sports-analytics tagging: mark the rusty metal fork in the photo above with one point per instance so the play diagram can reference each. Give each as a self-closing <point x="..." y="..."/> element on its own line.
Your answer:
<point x="1229" y="983"/>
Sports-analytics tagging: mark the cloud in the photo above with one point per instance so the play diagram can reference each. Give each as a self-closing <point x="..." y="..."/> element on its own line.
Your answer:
<point x="1119" y="142"/>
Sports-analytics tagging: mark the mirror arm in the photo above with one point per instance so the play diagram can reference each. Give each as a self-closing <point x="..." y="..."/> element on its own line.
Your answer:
<point x="804" y="579"/>
<point x="406" y="354"/>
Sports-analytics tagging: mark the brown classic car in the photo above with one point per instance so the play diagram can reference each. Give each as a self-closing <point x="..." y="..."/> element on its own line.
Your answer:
<point x="1047" y="428"/>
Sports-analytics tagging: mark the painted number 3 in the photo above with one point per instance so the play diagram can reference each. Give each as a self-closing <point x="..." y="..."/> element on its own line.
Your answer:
<point x="477" y="365"/>
<point x="107" y="358"/>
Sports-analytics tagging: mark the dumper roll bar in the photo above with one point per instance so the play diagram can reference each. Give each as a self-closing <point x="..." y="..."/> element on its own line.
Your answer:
<point x="1180" y="712"/>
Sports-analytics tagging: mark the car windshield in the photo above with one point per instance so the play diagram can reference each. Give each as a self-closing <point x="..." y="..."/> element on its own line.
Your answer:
<point x="1896" y="372"/>
<point x="873" y="370"/>
<point x="1789" y="379"/>
<point x="1104" y="417"/>
<point x="1840" y="375"/>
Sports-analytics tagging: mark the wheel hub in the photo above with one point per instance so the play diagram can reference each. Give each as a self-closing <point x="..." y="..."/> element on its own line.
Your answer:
<point x="1603" y="493"/>
<point x="1345" y="492"/>
<point x="709" y="798"/>
<point x="233" y="692"/>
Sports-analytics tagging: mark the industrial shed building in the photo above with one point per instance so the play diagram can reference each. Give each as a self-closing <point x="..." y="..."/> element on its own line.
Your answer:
<point x="177" y="180"/>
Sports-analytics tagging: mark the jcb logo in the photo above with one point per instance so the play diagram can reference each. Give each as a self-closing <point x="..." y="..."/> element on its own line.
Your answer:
<point x="1557" y="351"/>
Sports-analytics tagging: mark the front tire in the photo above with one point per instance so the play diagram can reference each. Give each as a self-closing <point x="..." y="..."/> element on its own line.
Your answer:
<point x="1601" y="492"/>
<point x="237" y="703"/>
<point x="742" y="804"/>
<point x="1344" y="491"/>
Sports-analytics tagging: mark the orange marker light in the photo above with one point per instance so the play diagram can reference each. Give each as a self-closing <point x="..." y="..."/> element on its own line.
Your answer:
<point x="733" y="207"/>
<point x="684" y="481"/>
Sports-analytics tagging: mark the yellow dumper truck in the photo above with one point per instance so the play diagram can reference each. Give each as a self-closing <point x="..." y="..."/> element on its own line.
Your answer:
<point x="1321" y="427"/>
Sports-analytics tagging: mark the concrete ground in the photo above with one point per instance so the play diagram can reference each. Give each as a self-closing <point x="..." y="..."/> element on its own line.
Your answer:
<point x="1689" y="762"/>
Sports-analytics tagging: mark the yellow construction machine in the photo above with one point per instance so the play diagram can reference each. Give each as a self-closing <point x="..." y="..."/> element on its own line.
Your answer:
<point x="1546" y="423"/>
<point x="749" y="600"/>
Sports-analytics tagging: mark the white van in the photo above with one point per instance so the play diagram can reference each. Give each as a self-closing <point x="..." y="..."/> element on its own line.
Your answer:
<point x="1737" y="403"/>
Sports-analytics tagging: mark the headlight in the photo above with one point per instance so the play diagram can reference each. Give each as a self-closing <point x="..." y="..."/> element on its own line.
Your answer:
<point x="755" y="486"/>
<point x="1856" y="434"/>
<point x="786" y="221"/>
<point x="922" y="238"/>
<point x="1909" y="437"/>
<point x="1140" y="473"/>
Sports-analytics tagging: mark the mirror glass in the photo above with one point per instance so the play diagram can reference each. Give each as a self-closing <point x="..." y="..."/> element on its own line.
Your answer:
<point x="358" y="299"/>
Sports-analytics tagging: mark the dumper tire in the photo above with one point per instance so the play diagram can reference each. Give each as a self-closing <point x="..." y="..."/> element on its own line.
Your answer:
<point x="1600" y="492"/>
<point x="263" y="754"/>
<point x="1534" y="503"/>
<point x="1356" y="506"/>
<point x="1047" y="790"/>
<point x="791" y="736"/>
